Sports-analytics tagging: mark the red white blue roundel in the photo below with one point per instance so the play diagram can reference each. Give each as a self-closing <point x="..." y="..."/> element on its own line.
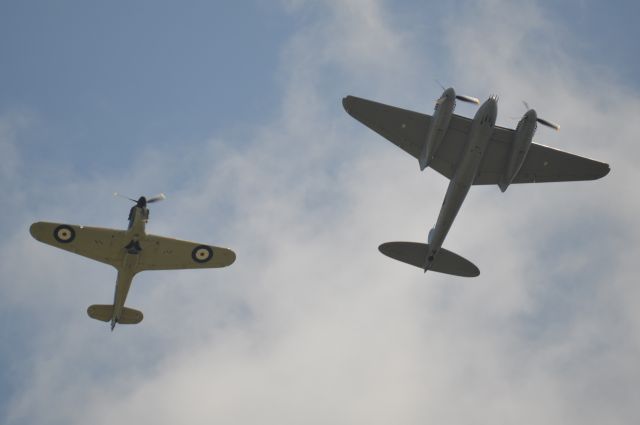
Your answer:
<point x="64" y="233"/>
<point x="202" y="254"/>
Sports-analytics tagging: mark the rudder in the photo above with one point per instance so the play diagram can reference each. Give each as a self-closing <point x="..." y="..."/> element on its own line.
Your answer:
<point x="415" y="253"/>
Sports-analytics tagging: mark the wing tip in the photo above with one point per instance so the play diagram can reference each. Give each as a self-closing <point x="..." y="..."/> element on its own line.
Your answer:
<point x="597" y="173"/>
<point x="346" y="103"/>
<point x="226" y="257"/>
<point x="34" y="230"/>
<point x="232" y="257"/>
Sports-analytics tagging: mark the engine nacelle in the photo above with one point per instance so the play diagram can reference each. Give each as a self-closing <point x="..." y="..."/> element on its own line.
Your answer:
<point x="438" y="127"/>
<point x="522" y="138"/>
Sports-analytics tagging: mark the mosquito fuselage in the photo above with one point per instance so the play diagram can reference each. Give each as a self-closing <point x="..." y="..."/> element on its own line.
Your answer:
<point x="481" y="130"/>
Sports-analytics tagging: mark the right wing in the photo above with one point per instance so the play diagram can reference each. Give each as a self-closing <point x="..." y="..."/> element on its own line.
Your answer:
<point x="408" y="130"/>
<point x="104" y="245"/>
<point x="161" y="253"/>
<point x="404" y="128"/>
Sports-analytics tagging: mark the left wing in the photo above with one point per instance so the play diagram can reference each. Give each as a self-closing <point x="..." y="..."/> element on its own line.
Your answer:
<point x="104" y="245"/>
<point x="160" y="253"/>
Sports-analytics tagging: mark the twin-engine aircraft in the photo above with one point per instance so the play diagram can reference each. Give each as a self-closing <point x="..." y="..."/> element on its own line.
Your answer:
<point x="467" y="152"/>
<point x="130" y="251"/>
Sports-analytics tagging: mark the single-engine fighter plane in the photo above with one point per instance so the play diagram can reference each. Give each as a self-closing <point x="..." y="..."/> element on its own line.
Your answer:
<point x="130" y="251"/>
<point x="467" y="152"/>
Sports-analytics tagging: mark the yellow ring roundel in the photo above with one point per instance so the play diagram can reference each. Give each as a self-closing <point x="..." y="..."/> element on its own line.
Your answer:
<point x="202" y="254"/>
<point x="64" y="233"/>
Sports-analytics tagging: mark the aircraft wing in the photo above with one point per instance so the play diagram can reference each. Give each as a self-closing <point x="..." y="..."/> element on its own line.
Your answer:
<point x="542" y="163"/>
<point x="104" y="245"/>
<point x="408" y="130"/>
<point x="160" y="253"/>
<point x="404" y="128"/>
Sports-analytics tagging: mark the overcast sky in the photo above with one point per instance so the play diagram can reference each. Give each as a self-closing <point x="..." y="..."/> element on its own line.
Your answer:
<point x="234" y="111"/>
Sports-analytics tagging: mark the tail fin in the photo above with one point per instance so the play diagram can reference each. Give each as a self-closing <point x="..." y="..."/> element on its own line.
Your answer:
<point x="416" y="254"/>
<point x="128" y="316"/>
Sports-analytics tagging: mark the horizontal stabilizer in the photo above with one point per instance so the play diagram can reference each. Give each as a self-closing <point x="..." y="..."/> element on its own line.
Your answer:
<point x="100" y="312"/>
<point x="104" y="312"/>
<point x="130" y="316"/>
<point x="415" y="253"/>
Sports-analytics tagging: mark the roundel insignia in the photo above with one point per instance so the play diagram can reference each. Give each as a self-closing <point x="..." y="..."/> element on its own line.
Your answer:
<point x="202" y="254"/>
<point x="64" y="233"/>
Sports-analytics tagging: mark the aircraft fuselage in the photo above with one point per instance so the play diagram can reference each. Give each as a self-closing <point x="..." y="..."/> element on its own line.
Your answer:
<point x="138" y="216"/>
<point x="468" y="165"/>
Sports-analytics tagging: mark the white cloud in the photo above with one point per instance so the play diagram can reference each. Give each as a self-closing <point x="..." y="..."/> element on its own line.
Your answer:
<point x="312" y="324"/>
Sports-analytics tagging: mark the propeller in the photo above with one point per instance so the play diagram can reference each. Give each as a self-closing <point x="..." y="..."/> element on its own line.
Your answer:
<point x="119" y="195"/>
<point x="468" y="99"/>
<point x="152" y="199"/>
<point x="549" y="124"/>
<point x="157" y="198"/>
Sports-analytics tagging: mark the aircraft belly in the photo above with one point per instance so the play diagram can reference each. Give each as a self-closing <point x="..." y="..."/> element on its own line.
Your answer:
<point x="130" y="261"/>
<point x="123" y="284"/>
<point x="470" y="163"/>
<point x="461" y="183"/>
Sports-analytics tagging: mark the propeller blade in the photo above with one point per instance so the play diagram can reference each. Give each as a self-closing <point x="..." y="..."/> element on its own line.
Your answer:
<point x="555" y="126"/>
<point x="157" y="198"/>
<point x="440" y="84"/>
<point x="469" y="99"/>
<point x="549" y="124"/>
<point x="122" y="196"/>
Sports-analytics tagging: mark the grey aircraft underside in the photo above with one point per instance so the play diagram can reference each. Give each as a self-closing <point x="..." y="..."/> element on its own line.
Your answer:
<point x="129" y="251"/>
<point x="468" y="152"/>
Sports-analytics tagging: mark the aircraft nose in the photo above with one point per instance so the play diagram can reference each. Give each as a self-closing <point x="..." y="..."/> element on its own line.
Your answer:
<point x="492" y="105"/>
<point x="449" y="93"/>
<point x="531" y="114"/>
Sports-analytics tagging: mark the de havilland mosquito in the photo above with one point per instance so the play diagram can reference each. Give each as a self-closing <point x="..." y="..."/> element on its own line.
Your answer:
<point x="130" y="251"/>
<point x="468" y="152"/>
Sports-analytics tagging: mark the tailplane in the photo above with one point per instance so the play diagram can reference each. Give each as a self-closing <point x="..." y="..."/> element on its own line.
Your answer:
<point x="104" y="312"/>
<point x="100" y="312"/>
<point x="415" y="253"/>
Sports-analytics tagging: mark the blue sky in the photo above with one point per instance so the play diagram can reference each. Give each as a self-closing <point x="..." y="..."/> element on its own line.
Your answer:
<point x="233" y="109"/>
<point x="108" y="78"/>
